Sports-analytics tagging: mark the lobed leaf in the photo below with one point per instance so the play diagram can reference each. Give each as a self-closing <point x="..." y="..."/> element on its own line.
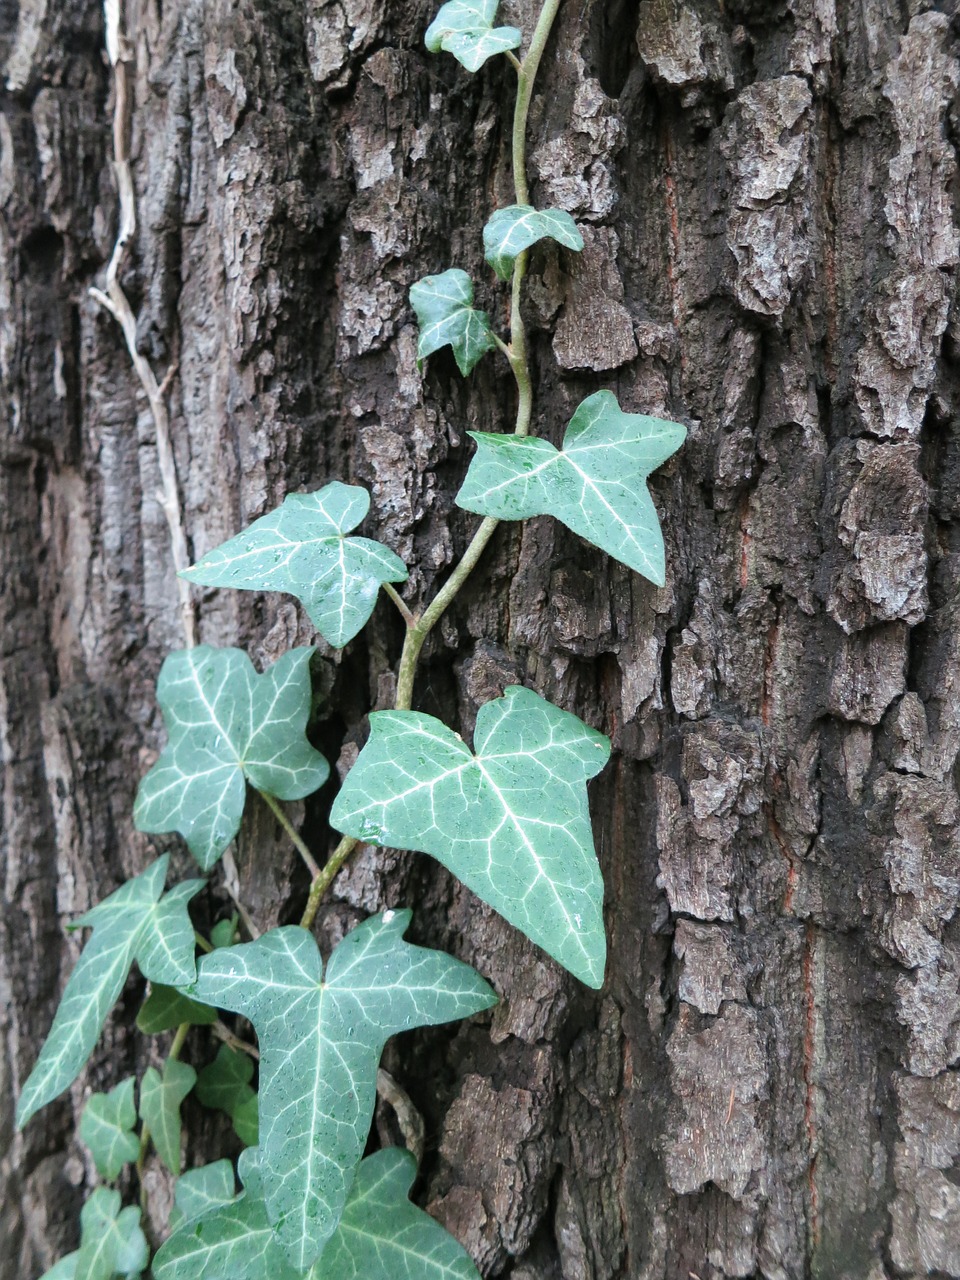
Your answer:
<point x="595" y="484"/>
<point x="224" y="1085"/>
<point x="165" y="1008"/>
<point x="106" y="1126"/>
<point x="302" y="548"/>
<point x="381" y="1235"/>
<point x="111" y="1240"/>
<point x="227" y="726"/>
<point x="465" y="29"/>
<point x="511" y="821"/>
<point x="160" y="1099"/>
<point x="447" y="317"/>
<point x="134" y="923"/>
<point x="519" y="226"/>
<point x="321" y="1036"/>
<point x="198" y="1191"/>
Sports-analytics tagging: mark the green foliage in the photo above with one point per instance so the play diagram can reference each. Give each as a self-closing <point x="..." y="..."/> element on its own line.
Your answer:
<point x="596" y="484"/>
<point x="134" y="923"/>
<point x="519" y="226"/>
<point x="447" y="317"/>
<point x="106" y="1126"/>
<point x="199" y="1190"/>
<point x="227" y="726"/>
<point x="224" y="1085"/>
<point x="111" y="1242"/>
<point x="302" y="548"/>
<point x="511" y="821"/>
<point x="465" y="29"/>
<point x="321" y="1036"/>
<point x="165" y="1008"/>
<point x="160" y="1100"/>
<point x="381" y="1235"/>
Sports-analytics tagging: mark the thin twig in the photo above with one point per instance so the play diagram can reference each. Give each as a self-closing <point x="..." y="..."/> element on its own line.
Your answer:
<point x="114" y="300"/>
<point x="223" y="1032"/>
<point x="309" y="861"/>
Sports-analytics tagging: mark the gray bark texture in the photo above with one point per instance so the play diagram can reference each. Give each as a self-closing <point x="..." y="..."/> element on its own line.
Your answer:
<point x="769" y="1083"/>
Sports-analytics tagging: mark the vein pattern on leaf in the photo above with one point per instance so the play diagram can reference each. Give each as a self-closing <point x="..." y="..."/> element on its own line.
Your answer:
<point x="198" y="1191"/>
<point x="227" y="726"/>
<point x="511" y="821"/>
<point x="111" y="1240"/>
<point x="465" y="29"/>
<point x="596" y="484"/>
<point x="519" y="226"/>
<point x="160" y="1100"/>
<point x="134" y="923"/>
<point x="381" y="1236"/>
<point x="302" y="548"/>
<point x="320" y="1042"/>
<point x="447" y="317"/>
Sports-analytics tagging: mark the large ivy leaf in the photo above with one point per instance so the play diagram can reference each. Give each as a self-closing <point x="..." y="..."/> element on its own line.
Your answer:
<point x="111" y="1240"/>
<point x="160" y="1100"/>
<point x="381" y="1236"/>
<point x="465" y="29"/>
<point x="511" y="821"/>
<point x="321" y="1037"/>
<point x="517" y="227"/>
<point x="302" y="548"/>
<point x="106" y="1126"/>
<point x="198" y="1191"/>
<point x="134" y="923"/>
<point x="227" y="726"/>
<point x="447" y="317"/>
<point x="596" y="484"/>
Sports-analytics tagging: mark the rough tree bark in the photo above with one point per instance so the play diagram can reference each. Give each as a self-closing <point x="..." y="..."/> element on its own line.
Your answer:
<point x="767" y="1086"/>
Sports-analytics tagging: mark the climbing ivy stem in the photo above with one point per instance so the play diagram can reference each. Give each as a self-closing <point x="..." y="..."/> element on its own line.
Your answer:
<point x="325" y="878"/>
<point x="276" y="808"/>
<point x="516" y="352"/>
<point x="179" y="1040"/>
<point x="401" y="604"/>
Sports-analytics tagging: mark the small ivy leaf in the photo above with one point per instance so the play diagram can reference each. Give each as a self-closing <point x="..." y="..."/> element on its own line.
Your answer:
<point x="511" y="821"/>
<point x="246" y="1121"/>
<point x="596" y="484"/>
<point x="382" y="1236"/>
<point x="224" y="932"/>
<point x="160" y="1100"/>
<point x="517" y="227"/>
<point x="106" y="1127"/>
<point x="224" y="1085"/>
<point x="165" y="1008"/>
<point x="465" y="29"/>
<point x="134" y="923"/>
<point x="321" y="1037"/>
<point x="227" y="726"/>
<point x="198" y="1191"/>
<point x="111" y="1241"/>
<point x="302" y="548"/>
<point x="447" y="317"/>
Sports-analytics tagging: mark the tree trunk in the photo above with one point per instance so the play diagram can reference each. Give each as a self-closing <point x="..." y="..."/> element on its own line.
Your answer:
<point x="767" y="1085"/>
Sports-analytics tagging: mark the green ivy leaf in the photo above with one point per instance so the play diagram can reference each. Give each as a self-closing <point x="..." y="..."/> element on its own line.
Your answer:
<point x="595" y="485"/>
<point x="160" y="1099"/>
<point x="227" y="726"/>
<point x="224" y="932"/>
<point x="165" y="1008"/>
<point x="381" y="1236"/>
<point x="246" y="1121"/>
<point x="198" y="1191"/>
<point x="447" y="317"/>
<point x="111" y="1241"/>
<point x="321" y="1037"/>
<point x="65" y="1269"/>
<point x="225" y="1085"/>
<point x="511" y="821"/>
<point x="302" y="548"/>
<point x="465" y="29"/>
<point x="134" y="923"/>
<point x="106" y="1126"/>
<point x="517" y="227"/>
